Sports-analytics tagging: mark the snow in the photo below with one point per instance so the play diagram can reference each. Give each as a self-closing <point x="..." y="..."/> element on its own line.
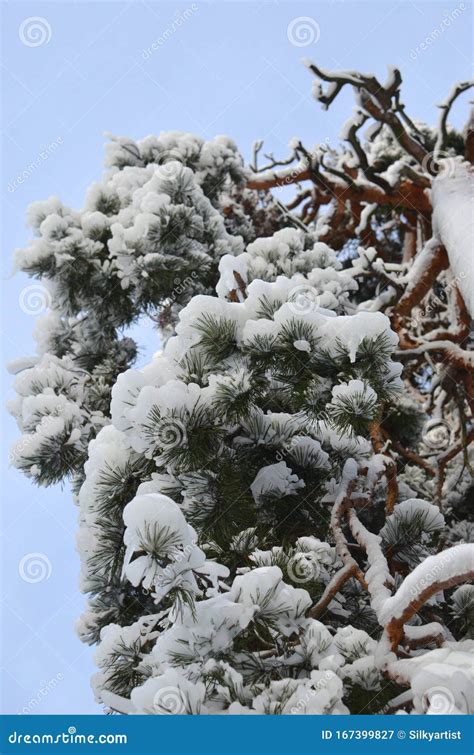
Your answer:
<point x="170" y="694"/>
<point x="20" y="364"/>
<point x="354" y="389"/>
<point x="208" y="630"/>
<point x="263" y="590"/>
<point x="117" y="703"/>
<point x="418" y="632"/>
<point x="352" y="330"/>
<point x="365" y="216"/>
<point x="443" y="566"/>
<point x="302" y="345"/>
<point x="156" y="525"/>
<point x="432" y="518"/>
<point x="94" y="223"/>
<point x="227" y="282"/>
<point x="289" y="254"/>
<point x="364" y="673"/>
<point x="441" y="680"/>
<point x="377" y="575"/>
<point x="453" y="221"/>
<point x="463" y="596"/>
<point x="275" y="481"/>
<point x="321" y="694"/>
<point x="156" y="510"/>
<point x="353" y="643"/>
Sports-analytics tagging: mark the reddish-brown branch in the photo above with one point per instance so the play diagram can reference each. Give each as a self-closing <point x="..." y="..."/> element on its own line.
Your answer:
<point x="376" y="100"/>
<point x="394" y="628"/>
<point x="430" y="638"/>
<point x="233" y="295"/>
<point x="446" y="351"/>
<point x="378" y="590"/>
<point x="409" y="455"/>
<point x="350" y="566"/>
<point x="427" y="265"/>
<point x="407" y="195"/>
<point x="390" y="467"/>
<point x="445" y="458"/>
<point x="337" y="514"/>
<point x="469" y="135"/>
<point x="333" y="587"/>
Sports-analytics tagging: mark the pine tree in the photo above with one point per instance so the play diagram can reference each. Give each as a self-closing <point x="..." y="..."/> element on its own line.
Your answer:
<point x="148" y="238"/>
<point x="273" y="513"/>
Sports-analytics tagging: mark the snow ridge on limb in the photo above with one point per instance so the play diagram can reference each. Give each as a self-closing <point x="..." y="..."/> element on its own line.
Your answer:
<point x="453" y="222"/>
<point x="436" y="573"/>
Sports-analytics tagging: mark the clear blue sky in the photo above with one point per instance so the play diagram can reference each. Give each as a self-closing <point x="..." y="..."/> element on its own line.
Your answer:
<point x="228" y="69"/>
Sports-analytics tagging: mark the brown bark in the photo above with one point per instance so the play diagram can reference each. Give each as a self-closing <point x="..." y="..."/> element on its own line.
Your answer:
<point x="395" y="627"/>
<point x="410" y="456"/>
<point x="334" y="586"/>
<point x="407" y="195"/>
<point x="469" y="143"/>
<point x="430" y="262"/>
